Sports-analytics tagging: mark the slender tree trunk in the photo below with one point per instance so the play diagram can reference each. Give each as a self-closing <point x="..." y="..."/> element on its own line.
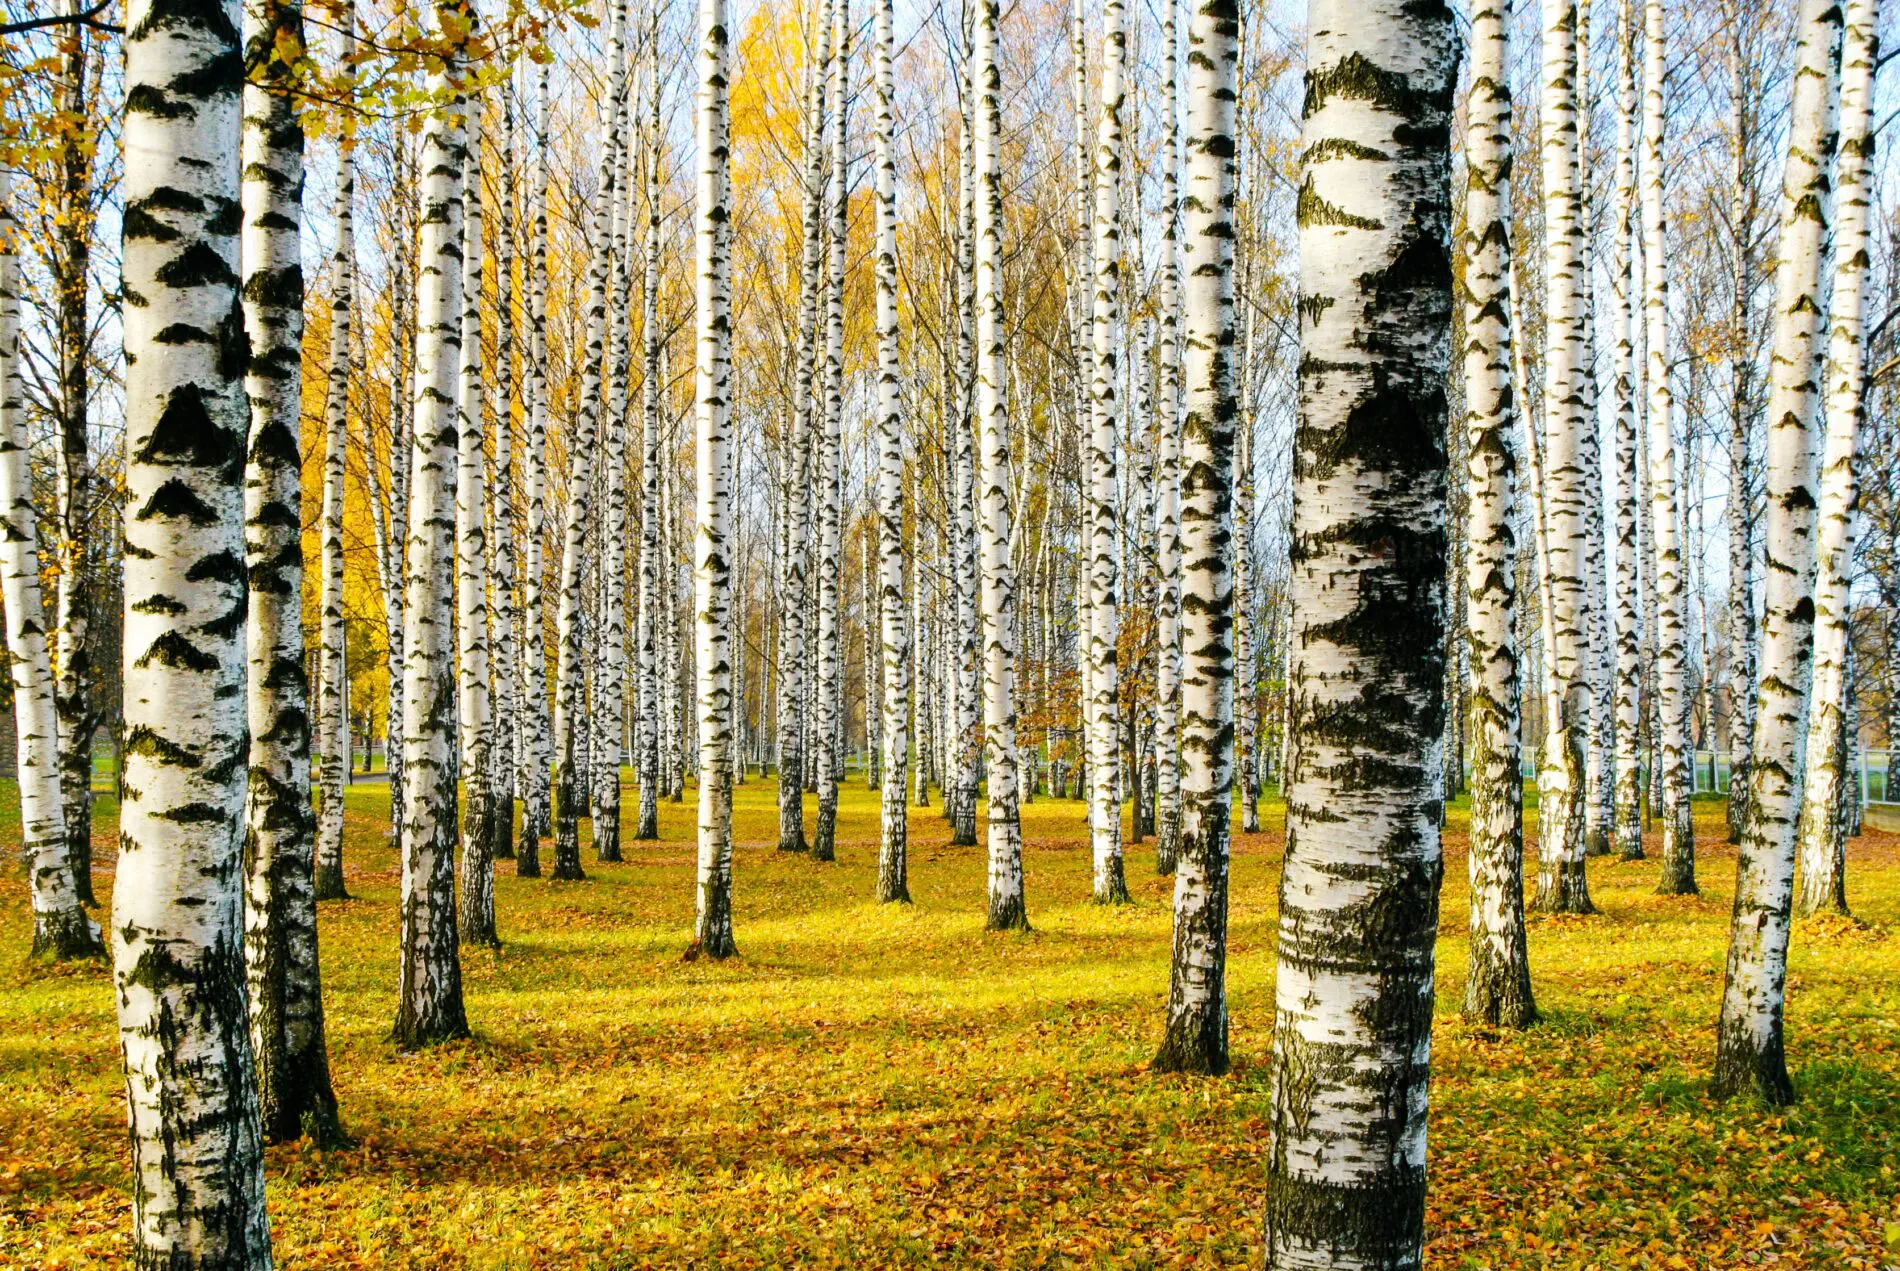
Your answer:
<point x="892" y="862"/>
<point x="1561" y="883"/>
<point x="1626" y="821"/>
<point x="332" y="684"/>
<point x="1670" y="773"/>
<point x="61" y="929"/>
<point x="1749" y="1051"/>
<point x="1823" y="827"/>
<point x="1498" y="986"/>
<point x="533" y="745"/>
<point x="1744" y="206"/>
<point x="960" y="800"/>
<point x="429" y="994"/>
<point x="280" y="912"/>
<point x="476" y="912"/>
<point x="1195" y="1037"/>
<point x="830" y="451"/>
<point x="611" y="661"/>
<point x="651" y="615"/>
<point x="1359" y="897"/>
<point x="998" y="575"/>
<point x="1168" y="475"/>
<point x="712" y="583"/>
<point x="1103" y="510"/>
<point x="74" y="686"/>
<point x="178" y="899"/>
<point x="502" y="612"/>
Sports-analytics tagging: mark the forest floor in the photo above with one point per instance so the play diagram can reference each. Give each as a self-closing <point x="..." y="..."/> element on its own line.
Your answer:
<point x="883" y="1086"/>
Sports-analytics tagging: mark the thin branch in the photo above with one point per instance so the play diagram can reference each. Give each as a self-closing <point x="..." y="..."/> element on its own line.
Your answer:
<point x="85" y="18"/>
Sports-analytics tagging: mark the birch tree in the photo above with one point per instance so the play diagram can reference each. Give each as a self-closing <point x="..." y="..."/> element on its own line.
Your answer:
<point x="1359" y="895"/>
<point x="712" y="572"/>
<point x="532" y="742"/>
<point x="1498" y="985"/>
<point x="892" y="866"/>
<point x="1823" y="828"/>
<point x="61" y="929"/>
<point x="1562" y="793"/>
<point x="280" y="910"/>
<point x="1195" y="1036"/>
<point x="1168" y="473"/>
<point x="476" y="912"/>
<point x="960" y="799"/>
<point x="650" y="609"/>
<point x="1103" y="510"/>
<point x="1671" y="771"/>
<point x="502" y="613"/>
<point x="429" y="992"/>
<point x="1626" y="822"/>
<point x="332" y="719"/>
<point x="1749" y="1053"/>
<point x="177" y="902"/>
<point x="1006" y="908"/>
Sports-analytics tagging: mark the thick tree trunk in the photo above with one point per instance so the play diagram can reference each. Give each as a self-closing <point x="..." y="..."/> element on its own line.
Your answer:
<point x="1823" y="826"/>
<point x="1359" y="897"/>
<point x="712" y="585"/>
<point x="280" y="913"/>
<point x="1498" y="986"/>
<point x="61" y="929"/>
<point x="178" y="900"/>
<point x="1749" y="1051"/>
<point x="429" y="993"/>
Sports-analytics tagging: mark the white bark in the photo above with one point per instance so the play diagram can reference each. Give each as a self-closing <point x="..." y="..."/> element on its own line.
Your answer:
<point x="1749" y="1051"/>
<point x="1627" y="812"/>
<point x="829" y="697"/>
<point x="1823" y="828"/>
<point x="1359" y="896"/>
<point x="1168" y="475"/>
<point x="177" y="902"/>
<point x="61" y="929"/>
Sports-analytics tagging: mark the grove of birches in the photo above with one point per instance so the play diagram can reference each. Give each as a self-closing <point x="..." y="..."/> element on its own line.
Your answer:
<point x="775" y="481"/>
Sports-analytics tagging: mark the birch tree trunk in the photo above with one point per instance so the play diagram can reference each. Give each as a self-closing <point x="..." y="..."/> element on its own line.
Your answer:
<point x="1195" y="1036"/>
<point x="532" y="745"/>
<point x="1103" y="697"/>
<point x="570" y="734"/>
<point x="1168" y="474"/>
<point x="830" y="684"/>
<point x="1743" y="216"/>
<point x="1498" y="985"/>
<point x="332" y="718"/>
<point x="960" y="800"/>
<point x="712" y="573"/>
<point x="429" y="994"/>
<point x="280" y="911"/>
<point x="1626" y="821"/>
<point x="61" y="929"/>
<point x="476" y="912"/>
<point x="651" y="613"/>
<point x="1671" y="769"/>
<point x="998" y="574"/>
<point x="892" y="864"/>
<point x="1823" y="827"/>
<point x="1749" y="1053"/>
<point x="1562" y="886"/>
<point x="178" y="900"/>
<point x="1359" y="897"/>
<point x="503" y="612"/>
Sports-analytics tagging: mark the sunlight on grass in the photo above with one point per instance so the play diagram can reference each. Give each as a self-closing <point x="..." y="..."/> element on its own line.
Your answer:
<point x="872" y="1085"/>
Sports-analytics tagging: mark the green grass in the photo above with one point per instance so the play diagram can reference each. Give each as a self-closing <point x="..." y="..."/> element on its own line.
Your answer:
<point x="873" y="1086"/>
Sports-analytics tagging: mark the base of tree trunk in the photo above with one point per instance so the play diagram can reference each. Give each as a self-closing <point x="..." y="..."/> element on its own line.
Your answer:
<point x="329" y="883"/>
<point x="447" y="1024"/>
<point x="1114" y="888"/>
<point x="528" y="854"/>
<point x="1596" y="842"/>
<point x="1743" y="1068"/>
<point x="1008" y="915"/>
<point x="1167" y="843"/>
<point x="1569" y="893"/>
<point x="68" y="937"/>
<point x="824" y="837"/>
<point x="892" y="891"/>
<point x="718" y="950"/>
<point x="1499" y="997"/>
<point x="1678" y="878"/>
<point x="502" y="844"/>
<point x="1195" y="1043"/>
<point x="607" y="837"/>
<point x="304" y="1106"/>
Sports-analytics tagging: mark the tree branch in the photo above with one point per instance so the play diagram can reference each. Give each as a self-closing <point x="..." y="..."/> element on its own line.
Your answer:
<point x="85" y="17"/>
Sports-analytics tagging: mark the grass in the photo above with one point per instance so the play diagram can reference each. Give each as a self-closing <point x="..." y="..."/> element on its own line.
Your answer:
<point x="876" y="1086"/>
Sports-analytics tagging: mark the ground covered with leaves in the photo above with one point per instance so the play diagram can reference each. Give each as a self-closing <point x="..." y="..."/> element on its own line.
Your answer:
<point x="887" y="1086"/>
